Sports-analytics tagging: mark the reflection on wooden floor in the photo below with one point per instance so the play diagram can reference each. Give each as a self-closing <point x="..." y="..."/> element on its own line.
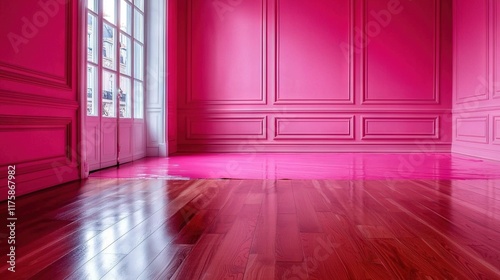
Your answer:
<point x="275" y="166"/>
<point x="258" y="229"/>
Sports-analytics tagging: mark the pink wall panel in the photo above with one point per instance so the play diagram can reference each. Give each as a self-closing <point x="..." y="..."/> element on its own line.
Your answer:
<point x="472" y="129"/>
<point x="311" y="67"/>
<point x="31" y="50"/>
<point x="43" y="139"/>
<point x="226" y="54"/>
<point x="402" y="51"/>
<point x="300" y="65"/>
<point x="391" y="128"/>
<point x="314" y="128"/>
<point x="226" y="128"/>
<point x="38" y="93"/>
<point x="471" y="50"/>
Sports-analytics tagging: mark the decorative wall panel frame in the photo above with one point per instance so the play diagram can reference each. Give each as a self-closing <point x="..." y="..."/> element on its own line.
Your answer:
<point x="365" y="99"/>
<point x="23" y="123"/>
<point x="478" y="97"/>
<point x="261" y="134"/>
<point x="280" y="133"/>
<point x="23" y="74"/>
<point x="434" y="125"/>
<point x="462" y="136"/>
<point x="282" y="101"/>
<point x="262" y="100"/>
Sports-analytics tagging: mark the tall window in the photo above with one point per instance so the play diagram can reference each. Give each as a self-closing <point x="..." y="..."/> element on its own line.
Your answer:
<point x="115" y="58"/>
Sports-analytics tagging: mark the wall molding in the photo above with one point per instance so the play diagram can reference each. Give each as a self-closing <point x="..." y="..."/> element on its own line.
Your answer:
<point x="277" y="100"/>
<point x="18" y="98"/>
<point x="191" y="124"/>
<point x="432" y="122"/>
<point x="313" y="110"/>
<point x="365" y="99"/>
<point x="252" y="147"/>
<point x="479" y="97"/>
<point x="477" y="108"/>
<point x="280" y="123"/>
<point x="22" y="74"/>
<point x="262" y="100"/>
<point x="462" y="136"/>
<point x="19" y="123"/>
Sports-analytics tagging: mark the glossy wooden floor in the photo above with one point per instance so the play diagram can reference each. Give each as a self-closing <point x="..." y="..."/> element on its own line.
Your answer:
<point x="258" y="229"/>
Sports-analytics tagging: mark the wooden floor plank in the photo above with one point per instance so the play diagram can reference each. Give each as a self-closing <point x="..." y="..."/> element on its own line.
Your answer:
<point x="262" y="258"/>
<point x="288" y="244"/>
<point x="306" y="214"/>
<point x="284" y="196"/>
<point x="198" y="260"/>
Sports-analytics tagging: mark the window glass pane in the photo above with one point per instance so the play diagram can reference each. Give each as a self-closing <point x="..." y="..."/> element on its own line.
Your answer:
<point x="125" y="98"/>
<point x="92" y="5"/>
<point x="92" y="38"/>
<point x="125" y="51"/>
<point x="108" y="94"/>
<point x="138" y="100"/>
<point x="108" y="46"/>
<point x="138" y="61"/>
<point x="126" y="17"/>
<point x="91" y="90"/>
<point x="109" y="11"/>
<point x="138" y="26"/>
<point x="139" y="4"/>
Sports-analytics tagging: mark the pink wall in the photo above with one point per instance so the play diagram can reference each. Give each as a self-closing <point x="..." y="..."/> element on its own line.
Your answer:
<point x="38" y="93"/>
<point x="476" y="99"/>
<point x="276" y="75"/>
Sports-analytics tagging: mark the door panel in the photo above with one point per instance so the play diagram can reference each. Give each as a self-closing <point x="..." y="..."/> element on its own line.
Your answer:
<point x="93" y="137"/>
<point x="125" y="140"/>
<point x="109" y="143"/>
